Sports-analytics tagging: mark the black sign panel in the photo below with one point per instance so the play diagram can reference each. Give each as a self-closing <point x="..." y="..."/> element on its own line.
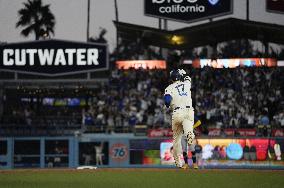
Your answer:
<point x="53" y="57"/>
<point x="187" y="10"/>
<point x="276" y="6"/>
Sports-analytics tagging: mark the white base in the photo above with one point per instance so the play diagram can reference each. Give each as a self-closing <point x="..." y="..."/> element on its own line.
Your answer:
<point x="87" y="167"/>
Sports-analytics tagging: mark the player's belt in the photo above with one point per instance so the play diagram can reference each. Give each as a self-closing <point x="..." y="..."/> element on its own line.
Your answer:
<point x="181" y="107"/>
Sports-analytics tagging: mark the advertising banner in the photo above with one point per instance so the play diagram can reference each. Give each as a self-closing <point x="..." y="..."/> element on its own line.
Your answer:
<point x="160" y="133"/>
<point x="255" y="152"/>
<point x="234" y="62"/>
<point x="145" y="151"/>
<point x="247" y="132"/>
<point x="119" y="152"/>
<point x="214" y="132"/>
<point x="53" y="57"/>
<point x="144" y="64"/>
<point x="187" y="10"/>
<point x="278" y="132"/>
<point x="166" y="153"/>
<point x="229" y="132"/>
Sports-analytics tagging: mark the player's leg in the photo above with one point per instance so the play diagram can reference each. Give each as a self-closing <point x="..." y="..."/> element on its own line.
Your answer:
<point x="199" y="159"/>
<point x="188" y="130"/>
<point x="187" y="123"/>
<point x="193" y="156"/>
<point x="185" y="157"/>
<point x="184" y="150"/>
<point x="177" y="148"/>
<point x="97" y="159"/>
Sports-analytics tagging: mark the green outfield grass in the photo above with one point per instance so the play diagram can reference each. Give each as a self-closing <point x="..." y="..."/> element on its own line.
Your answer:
<point x="139" y="178"/>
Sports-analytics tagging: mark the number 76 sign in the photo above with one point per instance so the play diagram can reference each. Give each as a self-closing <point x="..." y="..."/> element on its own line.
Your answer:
<point x="118" y="152"/>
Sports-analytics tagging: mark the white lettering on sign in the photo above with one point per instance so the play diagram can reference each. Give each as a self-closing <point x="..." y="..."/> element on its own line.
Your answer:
<point x="7" y="60"/>
<point x="174" y="6"/>
<point x="45" y="57"/>
<point x="158" y="1"/>
<point x="20" y="59"/>
<point x="81" y="57"/>
<point x="182" y="9"/>
<point x="31" y="53"/>
<point x="172" y="1"/>
<point x="70" y="53"/>
<point x="50" y="57"/>
<point x="93" y="55"/>
<point x="59" y="58"/>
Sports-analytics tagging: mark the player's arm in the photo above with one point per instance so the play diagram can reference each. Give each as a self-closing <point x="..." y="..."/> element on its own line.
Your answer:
<point x="188" y="80"/>
<point x="167" y="98"/>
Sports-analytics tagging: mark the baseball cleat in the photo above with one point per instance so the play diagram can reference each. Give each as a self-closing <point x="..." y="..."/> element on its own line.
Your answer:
<point x="195" y="166"/>
<point x="185" y="166"/>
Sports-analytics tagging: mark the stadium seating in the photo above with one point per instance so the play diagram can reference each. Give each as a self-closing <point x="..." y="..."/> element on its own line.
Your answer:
<point x="223" y="98"/>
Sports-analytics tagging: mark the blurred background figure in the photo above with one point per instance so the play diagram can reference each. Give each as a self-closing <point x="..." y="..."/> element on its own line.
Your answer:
<point x="99" y="154"/>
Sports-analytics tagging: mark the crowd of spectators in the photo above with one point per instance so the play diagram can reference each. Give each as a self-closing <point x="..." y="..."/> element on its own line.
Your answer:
<point x="131" y="97"/>
<point x="239" y="98"/>
<point x="235" y="98"/>
<point x="223" y="98"/>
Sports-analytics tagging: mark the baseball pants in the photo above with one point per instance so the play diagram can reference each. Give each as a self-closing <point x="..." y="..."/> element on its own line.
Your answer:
<point x="182" y="123"/>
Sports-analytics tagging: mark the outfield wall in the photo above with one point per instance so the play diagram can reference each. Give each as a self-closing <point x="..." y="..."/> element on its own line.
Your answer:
<point x="130" y="151"/>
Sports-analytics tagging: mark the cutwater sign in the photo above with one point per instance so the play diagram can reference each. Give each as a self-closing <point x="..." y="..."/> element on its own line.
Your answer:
<point x="187" y="10"/>
<point x="53" y="57"/>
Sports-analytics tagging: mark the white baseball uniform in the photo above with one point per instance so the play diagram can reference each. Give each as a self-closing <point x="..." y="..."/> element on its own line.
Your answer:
<point x="99" y="155"/>
<point x="182" y="116"/>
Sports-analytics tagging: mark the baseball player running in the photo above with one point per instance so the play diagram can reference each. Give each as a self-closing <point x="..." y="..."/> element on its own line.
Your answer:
<point x="177" y="97"/>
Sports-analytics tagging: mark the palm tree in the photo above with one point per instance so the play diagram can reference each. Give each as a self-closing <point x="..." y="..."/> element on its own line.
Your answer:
<point x="100" y="38"/>
<point x="36" y="18"/>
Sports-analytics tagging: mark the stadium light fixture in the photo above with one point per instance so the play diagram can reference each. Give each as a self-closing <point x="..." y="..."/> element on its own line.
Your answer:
<point x="177" y="39"/>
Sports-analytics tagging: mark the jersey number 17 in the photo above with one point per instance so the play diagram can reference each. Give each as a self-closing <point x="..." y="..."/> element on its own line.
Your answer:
<point x="180" y="89"/>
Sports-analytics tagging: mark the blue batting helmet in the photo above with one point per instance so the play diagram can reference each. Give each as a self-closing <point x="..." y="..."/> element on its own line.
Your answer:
<point x="175" y="75"/>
